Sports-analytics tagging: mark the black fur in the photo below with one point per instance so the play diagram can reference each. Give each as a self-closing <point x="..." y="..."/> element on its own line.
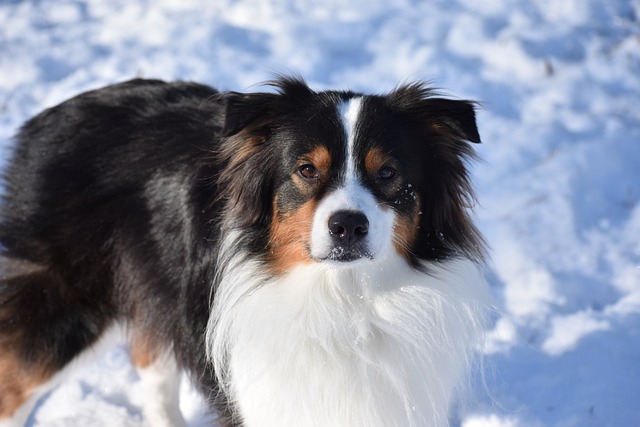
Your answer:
<point x="109" y="200"/>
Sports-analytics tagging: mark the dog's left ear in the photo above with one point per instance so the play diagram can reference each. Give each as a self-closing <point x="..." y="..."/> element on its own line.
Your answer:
<point x="448" y="117"/>
<point x="455" y="117"/>
<point x="446" y="127"/>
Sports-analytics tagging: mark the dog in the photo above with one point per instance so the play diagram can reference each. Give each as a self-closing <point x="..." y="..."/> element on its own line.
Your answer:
<point x="308" y="257"/>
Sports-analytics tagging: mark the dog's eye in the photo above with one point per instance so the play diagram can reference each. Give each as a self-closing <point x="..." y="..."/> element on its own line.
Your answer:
<point x="386" y="173"/>
<point x="309" y="171"/>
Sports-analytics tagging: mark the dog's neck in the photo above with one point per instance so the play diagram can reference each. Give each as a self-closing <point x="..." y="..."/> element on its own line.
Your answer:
<point x="363" y="346"/>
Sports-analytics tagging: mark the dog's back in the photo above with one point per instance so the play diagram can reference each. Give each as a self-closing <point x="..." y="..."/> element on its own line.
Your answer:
<point x="86" y="189"/>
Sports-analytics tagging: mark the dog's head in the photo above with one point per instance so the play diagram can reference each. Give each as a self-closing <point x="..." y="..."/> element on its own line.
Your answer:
<point x="345" y="178"/>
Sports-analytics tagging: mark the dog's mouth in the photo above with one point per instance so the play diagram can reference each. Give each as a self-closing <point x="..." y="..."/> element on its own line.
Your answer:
<point x="344" y="254"/>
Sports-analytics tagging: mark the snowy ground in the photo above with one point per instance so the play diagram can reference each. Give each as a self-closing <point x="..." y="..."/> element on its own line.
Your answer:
<point x="559" y="186"/>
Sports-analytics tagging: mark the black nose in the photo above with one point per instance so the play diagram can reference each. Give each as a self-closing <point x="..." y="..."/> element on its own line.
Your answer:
<point x="348" y="227"/>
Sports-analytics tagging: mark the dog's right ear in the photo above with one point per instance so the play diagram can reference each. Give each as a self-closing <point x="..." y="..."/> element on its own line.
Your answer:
<point x="243" y="150"/>
<point x="245" y="111"/>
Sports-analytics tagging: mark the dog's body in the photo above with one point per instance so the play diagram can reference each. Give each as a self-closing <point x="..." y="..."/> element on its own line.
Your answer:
<point x="306" y="256"/>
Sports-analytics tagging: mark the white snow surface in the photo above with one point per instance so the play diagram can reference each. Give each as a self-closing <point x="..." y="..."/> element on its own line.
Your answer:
<point x="559" y="185"/>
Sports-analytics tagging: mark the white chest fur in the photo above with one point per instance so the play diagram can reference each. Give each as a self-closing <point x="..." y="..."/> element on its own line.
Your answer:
<point x="378" y="345"/>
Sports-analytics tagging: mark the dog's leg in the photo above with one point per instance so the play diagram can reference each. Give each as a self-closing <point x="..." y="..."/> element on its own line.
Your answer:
<point x="20" y="389"/>
<point x="43" y="328"/>
<point x="160" y="376"/>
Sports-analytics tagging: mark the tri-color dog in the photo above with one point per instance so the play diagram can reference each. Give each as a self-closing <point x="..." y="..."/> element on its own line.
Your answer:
<point x="307" y="257"/>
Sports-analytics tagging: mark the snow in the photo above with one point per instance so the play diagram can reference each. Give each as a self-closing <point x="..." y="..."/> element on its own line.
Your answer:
<point x="559" y="187"/>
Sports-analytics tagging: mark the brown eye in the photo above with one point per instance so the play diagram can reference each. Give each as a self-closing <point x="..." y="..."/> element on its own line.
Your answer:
<point x="386" y="173"/>
<point x="309" y="171"/>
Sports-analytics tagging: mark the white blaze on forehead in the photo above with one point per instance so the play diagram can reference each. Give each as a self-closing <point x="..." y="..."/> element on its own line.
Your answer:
<point x="352" y="195"/>
<point x="349" y="112"/>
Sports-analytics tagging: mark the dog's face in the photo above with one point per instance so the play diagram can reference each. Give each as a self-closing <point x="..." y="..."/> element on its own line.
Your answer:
<point x="342" y="178"/>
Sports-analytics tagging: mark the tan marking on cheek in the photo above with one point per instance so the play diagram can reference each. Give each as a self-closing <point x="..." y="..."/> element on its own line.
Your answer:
<point x="406" y="231"/>
<point x="374" y="160"/>
<point x="17" y="381"/>
<point x="290" y="237"/>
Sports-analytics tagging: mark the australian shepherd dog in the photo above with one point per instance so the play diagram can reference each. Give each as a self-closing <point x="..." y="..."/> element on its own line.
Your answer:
<point x="307" y="257"/>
